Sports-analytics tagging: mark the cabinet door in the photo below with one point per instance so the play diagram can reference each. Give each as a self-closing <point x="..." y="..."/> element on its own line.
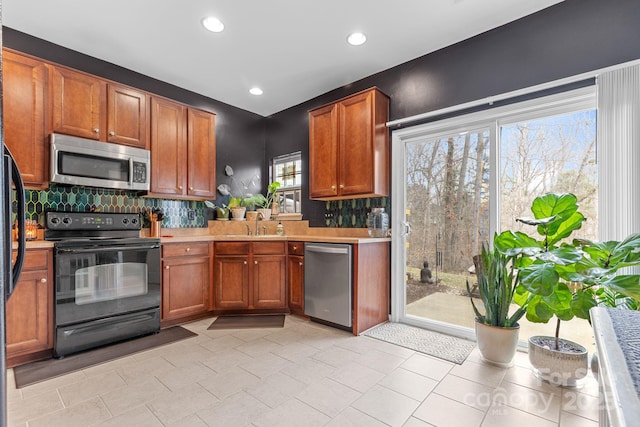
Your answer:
<point x="24" y="86"/>
<point x="356" y="145"/>
<point x="127" y="119"/>
<point x="185" y="287"/>
<point x="269" y="287"/>
<point x="201" y="155"/>
<point x="168" y="146"/>
<point x="29" y="318"/>
<point x="323" y="152"/>
<point x="79" y="104"/>
<point x="231" y="282"/>
<point x="295" y="283"/>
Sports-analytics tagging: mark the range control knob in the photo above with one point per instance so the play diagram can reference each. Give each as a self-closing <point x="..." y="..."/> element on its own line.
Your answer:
<point x="134" y="220"/>
<point x="55" y="220"/>
<point x="125" y="220"/>
<point x="66" y="220"/>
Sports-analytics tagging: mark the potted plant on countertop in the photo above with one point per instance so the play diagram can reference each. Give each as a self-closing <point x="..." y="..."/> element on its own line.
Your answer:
<point x="237" y="209"/>
<point x="566" y="279"/>
<point x="265" y="203"/>
<point x="497" y="331"/>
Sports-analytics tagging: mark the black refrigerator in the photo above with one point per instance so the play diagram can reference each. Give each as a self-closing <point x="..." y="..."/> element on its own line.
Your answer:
<point x="10" y="177"/>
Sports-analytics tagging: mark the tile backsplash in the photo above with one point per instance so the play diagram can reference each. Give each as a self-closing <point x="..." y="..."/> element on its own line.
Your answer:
<point x="352" y="213"/>
<point x="86" y="199"/>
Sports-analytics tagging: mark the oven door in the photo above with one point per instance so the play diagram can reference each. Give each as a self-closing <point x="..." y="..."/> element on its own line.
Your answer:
<point x="105" y="279"/>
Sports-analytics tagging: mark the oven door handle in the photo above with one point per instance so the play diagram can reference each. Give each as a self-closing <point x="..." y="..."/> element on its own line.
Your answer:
<point x="106" y="249"/>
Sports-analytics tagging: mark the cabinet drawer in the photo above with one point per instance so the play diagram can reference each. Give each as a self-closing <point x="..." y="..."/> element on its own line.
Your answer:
<point x="232" y="248"/>
<point x="296" y="248"/>
<point x="262" y="248"/>
<point x="34" y="260"/>
<point x="184" y="249"/>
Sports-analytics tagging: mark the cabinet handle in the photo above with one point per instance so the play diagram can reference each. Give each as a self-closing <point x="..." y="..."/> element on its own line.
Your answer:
<point x="179" y="187"/>
<point x="190" y="188"/>
<point x="300" y="264"/>
<point x="255" y="262"/>
<point x="295" y="248"/>
<point x="112" y="133"/>
<point x="244" y="262"/>
<point x="96" y="130"/>
<point x="341" y="186"/>
<point x="167" y="267"/>
<point x="188" y="249"/>
<point x="333" y="188"/>
<point x="43" y="280"/>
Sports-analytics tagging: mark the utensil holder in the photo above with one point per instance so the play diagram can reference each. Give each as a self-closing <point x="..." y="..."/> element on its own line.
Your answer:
<point x="154" y="228"/>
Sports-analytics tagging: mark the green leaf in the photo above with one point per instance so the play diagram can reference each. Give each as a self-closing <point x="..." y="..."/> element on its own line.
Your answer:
<point x="538" y="311"/>
<point x="581" y="303"/>
<point x="512" y="243"/>
<point x="539" y="279"/>
<point x="625" y="284"/>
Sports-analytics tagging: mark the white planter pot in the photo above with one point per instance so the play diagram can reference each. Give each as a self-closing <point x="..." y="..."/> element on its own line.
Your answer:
<point x="497" y="345"/>
<point x="238" y="212"/>
<point x="266" y="213"/>
<point x="558" y="367"/>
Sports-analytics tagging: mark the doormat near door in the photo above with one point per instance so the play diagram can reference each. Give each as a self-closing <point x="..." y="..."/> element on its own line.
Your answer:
<point x="432" y="343"/>
<point x="36" y="372"/>
<point x="248" y="321"/>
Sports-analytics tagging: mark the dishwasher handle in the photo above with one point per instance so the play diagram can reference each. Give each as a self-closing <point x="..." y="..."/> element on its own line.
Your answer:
<point x="326" y="249"/>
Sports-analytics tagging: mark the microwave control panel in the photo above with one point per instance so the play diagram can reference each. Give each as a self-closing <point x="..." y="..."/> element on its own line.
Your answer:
<point x="139" y="172"/>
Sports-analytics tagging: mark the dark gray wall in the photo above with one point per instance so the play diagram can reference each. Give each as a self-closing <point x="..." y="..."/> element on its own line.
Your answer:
<point x="567" y="39"/>
<point x="240" y="135"/>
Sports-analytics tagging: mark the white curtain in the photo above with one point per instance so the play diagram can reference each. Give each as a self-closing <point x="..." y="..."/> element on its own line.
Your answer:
<point x="619" y="152"/>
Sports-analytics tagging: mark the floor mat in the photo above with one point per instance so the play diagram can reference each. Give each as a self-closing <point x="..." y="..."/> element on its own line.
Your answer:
<point x="248" y="321"/>
<point x="432" y="343"/>
<point x="35" y="372"/>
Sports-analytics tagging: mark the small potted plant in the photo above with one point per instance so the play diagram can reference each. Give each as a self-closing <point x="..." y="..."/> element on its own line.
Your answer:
<point x="566" y="279"/>
<point x="497" y="330"/>
<point x="265" y="203"/>
<point x="237" y="209"/>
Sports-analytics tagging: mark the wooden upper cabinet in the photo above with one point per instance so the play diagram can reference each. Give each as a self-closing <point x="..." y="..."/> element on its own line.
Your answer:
<point x="78" y="102"/>
<point x="127" y="118"/>
<point x="86" y="106"/>
<point x="201" y="154"/>
<point x="168" y="147"/>
<point x="25" y="84"/>
<point x="349" y="148"/>
<point x="183" y="151"/>
<point x="323" y="152"/>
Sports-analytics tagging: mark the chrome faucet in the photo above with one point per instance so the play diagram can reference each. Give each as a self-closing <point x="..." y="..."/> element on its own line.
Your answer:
<point x="258" y="218"/>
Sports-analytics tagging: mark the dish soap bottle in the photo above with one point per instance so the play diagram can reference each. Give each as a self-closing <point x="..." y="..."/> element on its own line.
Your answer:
<point x="280" y="229"/>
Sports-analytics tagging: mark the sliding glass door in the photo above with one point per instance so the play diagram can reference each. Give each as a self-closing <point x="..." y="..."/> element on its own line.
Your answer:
<point x="458" y="181"/>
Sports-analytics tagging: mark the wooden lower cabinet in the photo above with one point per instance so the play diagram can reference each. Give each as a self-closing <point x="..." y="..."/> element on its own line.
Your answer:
<point x="250" y="276"/>
<point x="29" y="320"/>
<point x="186" y="279"/>
<point x="231" y="282"/>
<point x="295" y="277"/>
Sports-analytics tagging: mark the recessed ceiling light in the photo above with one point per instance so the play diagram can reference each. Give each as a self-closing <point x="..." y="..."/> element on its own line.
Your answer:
<point x="213" y="24"/>
<point x="255" y="91"/>
<point x="356" y="39"/>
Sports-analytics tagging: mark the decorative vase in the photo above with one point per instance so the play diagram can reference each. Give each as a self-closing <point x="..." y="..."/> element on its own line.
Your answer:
<point x="266" y="213"/>
<point x="238" y="212"/>
<point x="565" y="366"/>
<point x="497" y="344"/>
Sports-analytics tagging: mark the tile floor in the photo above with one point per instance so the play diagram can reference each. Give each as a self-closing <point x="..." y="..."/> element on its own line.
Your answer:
<point x="304" y="374"/>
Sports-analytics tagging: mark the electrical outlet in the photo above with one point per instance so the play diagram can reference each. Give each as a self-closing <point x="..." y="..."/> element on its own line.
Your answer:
<point x="191" y="214"/>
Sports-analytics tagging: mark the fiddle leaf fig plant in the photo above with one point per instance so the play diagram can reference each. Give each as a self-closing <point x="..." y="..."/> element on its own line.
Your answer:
<point x="566" y="278"/>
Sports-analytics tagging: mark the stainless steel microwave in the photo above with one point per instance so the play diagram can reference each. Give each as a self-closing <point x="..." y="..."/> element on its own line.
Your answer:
<point x="80" y="161"/>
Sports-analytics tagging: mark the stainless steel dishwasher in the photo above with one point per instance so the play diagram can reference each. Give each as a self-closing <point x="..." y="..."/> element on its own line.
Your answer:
<point x="328" y="282"/>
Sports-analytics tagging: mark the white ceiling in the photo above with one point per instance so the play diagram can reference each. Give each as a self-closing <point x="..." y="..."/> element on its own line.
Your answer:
<point x="294" y="50"/>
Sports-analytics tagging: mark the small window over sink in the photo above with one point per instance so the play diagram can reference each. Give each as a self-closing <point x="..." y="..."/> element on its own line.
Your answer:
<point x="287" y="170"/>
